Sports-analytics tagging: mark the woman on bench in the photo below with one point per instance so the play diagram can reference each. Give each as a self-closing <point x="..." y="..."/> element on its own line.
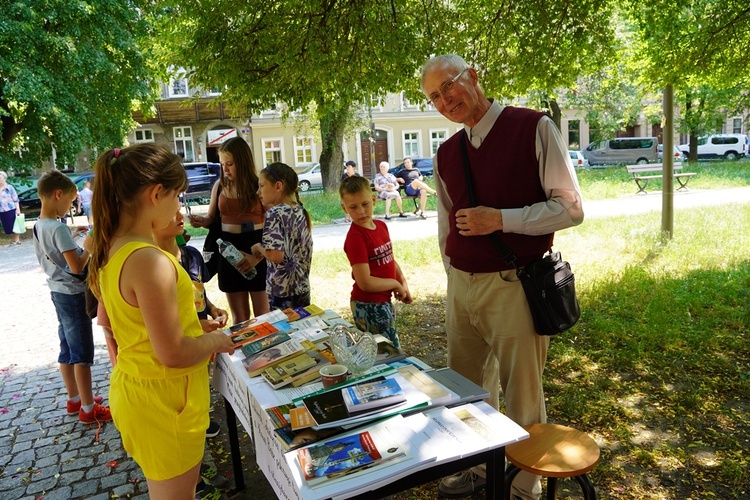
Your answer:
<point x="387" y="187"/>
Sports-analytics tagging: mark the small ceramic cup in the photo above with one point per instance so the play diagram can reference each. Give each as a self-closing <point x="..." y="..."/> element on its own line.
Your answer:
<point x="333" y="374"/>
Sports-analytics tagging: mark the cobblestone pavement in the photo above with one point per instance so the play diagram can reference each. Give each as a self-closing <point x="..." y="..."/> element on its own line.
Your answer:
<point x="46" y="454"/>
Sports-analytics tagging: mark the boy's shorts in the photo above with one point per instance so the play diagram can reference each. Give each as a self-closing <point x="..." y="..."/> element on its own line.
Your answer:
<point x="376" y="317"/>
<point x="74" y="330"/>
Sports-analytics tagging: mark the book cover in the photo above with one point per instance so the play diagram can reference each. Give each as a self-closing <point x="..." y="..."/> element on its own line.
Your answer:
<point x="256" y="363"/>
<point x="291" y="314"/>
<point x="347" y="455"/>
<point x="279" y="415"/>
<point x="282" y="373"/>
<point x="251" y="333"/>
<point x="465" y="389"/>
<point x="388" y="353"/>
<point x="314" y="310"/>
<point x="327" y="407"/>
<point x="372" y="395"/>
<point x="291" y="439"/>
<point x="422" y="381"/>
<point x="263" y="343"/>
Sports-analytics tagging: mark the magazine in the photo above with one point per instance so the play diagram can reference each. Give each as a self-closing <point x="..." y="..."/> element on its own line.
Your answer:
<point x="343" y="456"/>
<point x="256" y="363"/>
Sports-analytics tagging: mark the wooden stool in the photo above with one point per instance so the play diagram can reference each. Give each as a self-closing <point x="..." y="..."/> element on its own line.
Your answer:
<point x="553" y="451"/>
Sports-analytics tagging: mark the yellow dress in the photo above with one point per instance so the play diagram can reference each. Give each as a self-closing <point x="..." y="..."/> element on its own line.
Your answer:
<point x="161" y="412"/>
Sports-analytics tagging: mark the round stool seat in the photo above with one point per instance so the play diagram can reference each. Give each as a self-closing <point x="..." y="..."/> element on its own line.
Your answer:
<point x="554" y="450"/>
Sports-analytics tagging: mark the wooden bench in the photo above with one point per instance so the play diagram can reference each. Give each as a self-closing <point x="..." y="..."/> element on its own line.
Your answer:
<point x="404" y="196"/>
<point x="642" y="180"/>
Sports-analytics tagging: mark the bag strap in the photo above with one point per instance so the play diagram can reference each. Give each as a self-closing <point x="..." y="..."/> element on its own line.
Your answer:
<point x="508" y="256"/>
<point x="80" y="277"/>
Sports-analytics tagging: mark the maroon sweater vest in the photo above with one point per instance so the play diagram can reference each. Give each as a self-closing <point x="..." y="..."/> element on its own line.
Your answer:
<point x="505" y="174"/>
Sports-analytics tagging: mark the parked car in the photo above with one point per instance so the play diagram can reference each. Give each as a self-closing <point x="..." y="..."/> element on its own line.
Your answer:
<point x="660" y="153"/>
<point x="727" y="146"/>
<point x="31" y="205"/>
<point x="201" y="178"/>
<point x="625" y="150"/>
<point x="310" y="178"/>
<point x="578" y="159"/>
<point x="424" y="165"/>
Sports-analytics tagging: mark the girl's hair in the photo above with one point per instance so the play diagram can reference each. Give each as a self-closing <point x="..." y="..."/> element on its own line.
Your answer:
<point x="246" y="181"/>
<point x="121" y="176"/>
<point x="283" y="173"/>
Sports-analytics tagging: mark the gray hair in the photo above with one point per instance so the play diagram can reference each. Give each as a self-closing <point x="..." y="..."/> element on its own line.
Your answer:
<point x="451" y="60"/>
<point x="383" y="163"/>
<point x="3" y="175"/>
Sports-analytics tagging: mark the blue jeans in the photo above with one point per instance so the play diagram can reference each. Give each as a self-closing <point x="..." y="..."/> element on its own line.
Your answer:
<point x="74" y="330"/>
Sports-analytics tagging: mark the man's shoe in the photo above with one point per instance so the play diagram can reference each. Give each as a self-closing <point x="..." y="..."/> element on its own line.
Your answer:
<point x="213" y="428"/>
<point x="73" y="408"/>
<point x="461" y="485"/>
<point x="387" y="217"/>
<point x="402" y="214"/>
<point x="98" y="414"/>
<point x="421" y="214"/>
<point x="211" y="476"/>
<point x="208" y="492"/>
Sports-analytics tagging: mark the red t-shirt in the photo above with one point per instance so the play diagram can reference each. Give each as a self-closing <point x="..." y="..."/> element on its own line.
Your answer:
<point x="373" y="247"/>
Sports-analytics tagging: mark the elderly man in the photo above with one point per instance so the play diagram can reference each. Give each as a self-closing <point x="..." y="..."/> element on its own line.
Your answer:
<point x="525" y="188"/>
<point x="414" y="185"/>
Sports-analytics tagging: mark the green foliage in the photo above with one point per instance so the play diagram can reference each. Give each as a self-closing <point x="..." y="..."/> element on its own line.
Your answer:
<point x="337" y="55"/>
<point x="532" y="45"/>
<point x="69" y="75"/>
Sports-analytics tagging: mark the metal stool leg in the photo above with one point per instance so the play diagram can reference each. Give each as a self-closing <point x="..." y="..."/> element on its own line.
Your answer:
<point x="551" y="488"/>
<point x="589" y="493"/>
<point x="510" y="475"/>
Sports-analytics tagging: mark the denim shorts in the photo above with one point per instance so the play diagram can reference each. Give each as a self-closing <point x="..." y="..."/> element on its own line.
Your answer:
<point x="74" y="330"/>
<point x="410" y="191"/>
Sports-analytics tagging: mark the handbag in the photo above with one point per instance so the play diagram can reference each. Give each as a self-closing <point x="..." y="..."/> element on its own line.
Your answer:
<point x="19" y="226"/>
<point x="548" y="283"/>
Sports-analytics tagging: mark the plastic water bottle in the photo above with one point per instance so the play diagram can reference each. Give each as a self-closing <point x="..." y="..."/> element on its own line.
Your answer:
<point x="234" y="257"/>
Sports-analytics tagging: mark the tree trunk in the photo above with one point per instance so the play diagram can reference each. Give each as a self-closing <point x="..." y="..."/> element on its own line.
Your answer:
<point x="333" y="117"/>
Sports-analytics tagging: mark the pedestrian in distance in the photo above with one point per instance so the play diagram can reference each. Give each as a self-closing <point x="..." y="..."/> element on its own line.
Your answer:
<point x="525" y="188"/>
<point x="9" y="208"/>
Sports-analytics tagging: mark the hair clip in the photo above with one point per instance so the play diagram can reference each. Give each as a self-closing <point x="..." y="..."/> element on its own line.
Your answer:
<point x="116" y="152"/>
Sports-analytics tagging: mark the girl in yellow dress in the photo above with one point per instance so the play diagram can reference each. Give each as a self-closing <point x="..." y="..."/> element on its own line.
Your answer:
<point x="159" y="393"/>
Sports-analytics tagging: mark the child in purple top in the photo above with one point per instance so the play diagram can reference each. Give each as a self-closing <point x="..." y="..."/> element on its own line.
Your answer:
<point x="287" y="240"/>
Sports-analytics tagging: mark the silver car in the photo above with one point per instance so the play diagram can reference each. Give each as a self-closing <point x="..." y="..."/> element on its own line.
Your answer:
<point x="310" y="178"/>
<point x="578" y="159"/>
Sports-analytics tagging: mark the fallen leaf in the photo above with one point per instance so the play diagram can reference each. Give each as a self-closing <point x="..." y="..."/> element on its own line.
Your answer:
<point x="112" y="464"/>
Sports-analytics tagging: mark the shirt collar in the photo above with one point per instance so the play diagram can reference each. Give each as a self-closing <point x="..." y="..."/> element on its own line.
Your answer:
<point x="486" y="122"/>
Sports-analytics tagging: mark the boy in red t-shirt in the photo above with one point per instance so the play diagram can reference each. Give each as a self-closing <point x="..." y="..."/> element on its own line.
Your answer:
<point x="376" y="273"/>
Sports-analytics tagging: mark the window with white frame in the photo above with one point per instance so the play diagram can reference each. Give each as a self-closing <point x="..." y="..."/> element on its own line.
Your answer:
<point x="144" y="135"/>
<point x="437" y="137"/>
<point x="737" y="125"/>
<point x="406" y="103"/>
<point x="411" y="144"/>
<point x="178" y="84"/>
<point x="183" y="143"/>
<point x="304" y="149"/>
<point x="272" y="150"/>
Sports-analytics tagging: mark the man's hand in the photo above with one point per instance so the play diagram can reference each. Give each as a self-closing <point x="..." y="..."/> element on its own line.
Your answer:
<point x="478" y="221"/>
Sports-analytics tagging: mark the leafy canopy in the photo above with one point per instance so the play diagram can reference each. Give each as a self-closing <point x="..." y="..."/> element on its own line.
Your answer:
<point x="70" y="72"/>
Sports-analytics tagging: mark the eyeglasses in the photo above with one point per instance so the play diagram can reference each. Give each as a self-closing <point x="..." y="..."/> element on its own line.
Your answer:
<point x="446" y="88"/>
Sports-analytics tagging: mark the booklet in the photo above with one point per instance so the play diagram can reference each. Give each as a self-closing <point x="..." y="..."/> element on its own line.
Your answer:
<point x="371" y="395"/>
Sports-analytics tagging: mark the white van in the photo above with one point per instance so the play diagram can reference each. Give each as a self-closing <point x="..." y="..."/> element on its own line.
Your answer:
<point x="727" y="146"/>
<point x="627" y="150"/>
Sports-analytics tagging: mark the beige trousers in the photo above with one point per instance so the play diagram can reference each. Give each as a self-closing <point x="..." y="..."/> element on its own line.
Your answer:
<point x="492" y="342"/>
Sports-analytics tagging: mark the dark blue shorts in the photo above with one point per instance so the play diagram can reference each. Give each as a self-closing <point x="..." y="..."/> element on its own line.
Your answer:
<point x="74" y="330"/>
<point x="411" y="191"/>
